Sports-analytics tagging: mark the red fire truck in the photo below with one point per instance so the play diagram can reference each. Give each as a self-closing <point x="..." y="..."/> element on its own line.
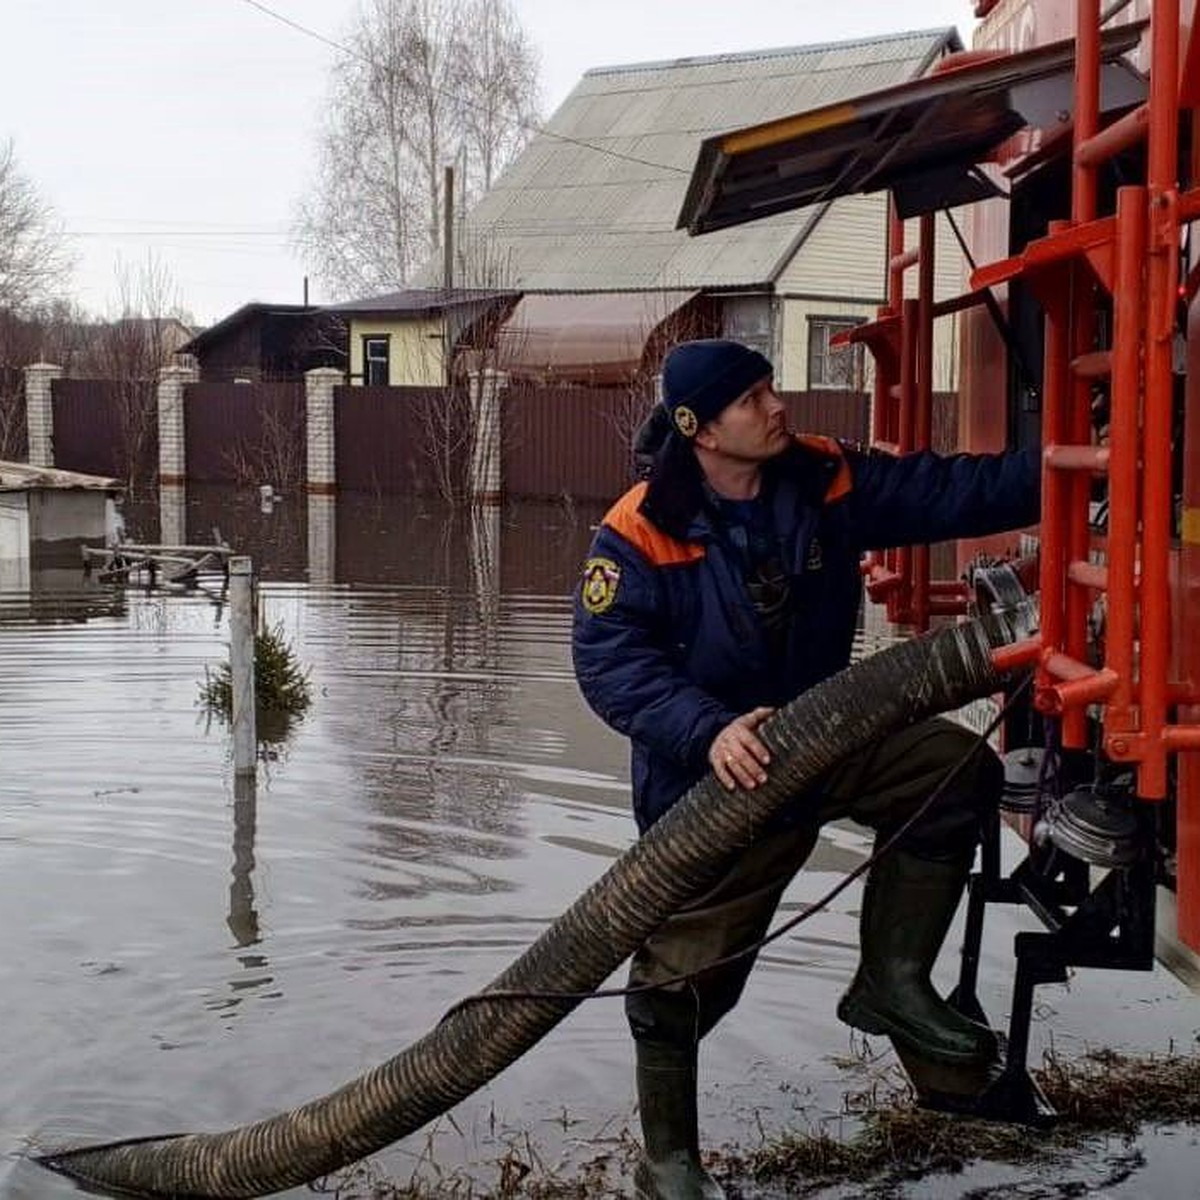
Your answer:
<point x="1064" y="151"/>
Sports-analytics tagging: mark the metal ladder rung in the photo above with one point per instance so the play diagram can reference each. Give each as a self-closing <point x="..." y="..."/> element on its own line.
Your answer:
<point x="1089" y="575"/>
<point x="1097" y="365"/>
<point x="1078" y="684"/>
<point x="1077" y="458"/>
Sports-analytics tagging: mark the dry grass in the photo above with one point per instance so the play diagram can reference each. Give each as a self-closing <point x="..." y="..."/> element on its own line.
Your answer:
<point x="1104" y="1093"/>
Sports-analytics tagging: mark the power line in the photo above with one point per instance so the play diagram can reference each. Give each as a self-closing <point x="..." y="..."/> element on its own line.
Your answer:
<point x="278" y="235"/>
<point x="527" y="125"/>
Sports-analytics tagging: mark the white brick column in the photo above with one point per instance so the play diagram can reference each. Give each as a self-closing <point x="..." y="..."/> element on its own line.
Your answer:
<point x="39" y="412"/>
<point x="319" y="385"/>
<point x="172" y="441"/>
<point x="485" y="485"/>
<point x="172" y="514"/>
<point x="322" y="537"/>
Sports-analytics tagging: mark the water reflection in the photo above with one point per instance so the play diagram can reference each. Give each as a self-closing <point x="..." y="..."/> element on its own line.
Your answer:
<point x="31" y="591"/>
<point x="243" y="916"/>
<point x="369" y="538"/>
<point x="187" y="952"/>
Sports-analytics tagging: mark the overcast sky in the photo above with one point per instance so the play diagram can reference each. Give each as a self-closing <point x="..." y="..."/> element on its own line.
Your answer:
<point x="187" y="129"/>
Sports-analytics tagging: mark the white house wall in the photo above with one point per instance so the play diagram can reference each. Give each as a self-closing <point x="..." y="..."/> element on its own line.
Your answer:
<point x="844" y="254"/>
<point x="840" y="271"/>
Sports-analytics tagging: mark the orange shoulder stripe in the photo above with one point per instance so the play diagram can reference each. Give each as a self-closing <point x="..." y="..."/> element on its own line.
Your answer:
<point x="843" y="481"/>
<point x="659" y="548"/>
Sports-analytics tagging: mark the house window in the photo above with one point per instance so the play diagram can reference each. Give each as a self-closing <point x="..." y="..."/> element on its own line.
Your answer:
<point x="834" y="368"/>
<point x="375" y="361"/>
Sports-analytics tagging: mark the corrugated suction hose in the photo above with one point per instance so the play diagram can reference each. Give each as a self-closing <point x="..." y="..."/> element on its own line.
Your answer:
<point x="678" y="858"/>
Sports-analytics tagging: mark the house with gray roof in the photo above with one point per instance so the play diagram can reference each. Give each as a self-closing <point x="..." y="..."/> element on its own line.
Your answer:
<point x="584" y="220"/>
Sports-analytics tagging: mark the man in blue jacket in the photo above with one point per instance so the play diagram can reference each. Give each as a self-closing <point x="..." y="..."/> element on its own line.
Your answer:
<point x="717" y="590"/>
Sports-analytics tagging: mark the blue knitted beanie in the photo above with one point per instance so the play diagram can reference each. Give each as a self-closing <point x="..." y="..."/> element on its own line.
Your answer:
<point x="700" y="378"/>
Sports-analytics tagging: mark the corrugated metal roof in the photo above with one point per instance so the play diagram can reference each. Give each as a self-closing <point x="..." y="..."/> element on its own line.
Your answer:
<point x="417" y="301"/>
<point x="592" y="202"/>
<point x="22" y="477"/>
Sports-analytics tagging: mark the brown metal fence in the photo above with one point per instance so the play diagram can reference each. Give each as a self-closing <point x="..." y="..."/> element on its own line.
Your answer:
<point x="245" y="433"/>
<point x="402" y="439"/>
<point x="832" y="413"/>
<point x="573" y="442"/>
<point x="576" y="441"/>
<point x="555" y="442"/>
<point x="106" y="427"/>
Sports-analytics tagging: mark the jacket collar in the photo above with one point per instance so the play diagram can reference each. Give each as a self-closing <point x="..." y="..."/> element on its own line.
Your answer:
<point x="674" y="499"/>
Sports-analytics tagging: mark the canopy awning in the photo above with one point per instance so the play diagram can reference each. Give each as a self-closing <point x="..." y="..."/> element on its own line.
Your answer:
<point x="922" y="139"/>
<point x="594" y="337"/>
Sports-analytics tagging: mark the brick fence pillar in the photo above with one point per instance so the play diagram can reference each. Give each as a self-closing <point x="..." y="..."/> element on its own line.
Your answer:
<point x="486" y="486"/>
<point x="172" y="514"/>
<point x="322" y="537"/>
<point x="172" y="447"/>
<point x="319" y="385"/>
<point x="39" y="412"/>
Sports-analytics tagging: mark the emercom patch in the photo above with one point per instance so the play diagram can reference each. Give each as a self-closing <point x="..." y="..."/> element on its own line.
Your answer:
<point x="600" y="579"/>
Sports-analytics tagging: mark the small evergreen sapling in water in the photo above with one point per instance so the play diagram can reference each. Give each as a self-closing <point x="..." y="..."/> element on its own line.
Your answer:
<point x="280" y="684"/>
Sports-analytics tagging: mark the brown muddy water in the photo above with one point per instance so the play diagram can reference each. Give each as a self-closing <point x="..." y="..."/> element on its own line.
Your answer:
<point x="179" y="958"/>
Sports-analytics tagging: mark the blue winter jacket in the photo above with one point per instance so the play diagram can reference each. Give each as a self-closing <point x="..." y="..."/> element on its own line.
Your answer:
<point x="668" y="647"/>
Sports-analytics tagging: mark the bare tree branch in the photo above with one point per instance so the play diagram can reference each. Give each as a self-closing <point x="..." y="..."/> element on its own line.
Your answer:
<point x="34" y="261"/>
<point x="425" y="81"/>
<point x="131" y="350"/>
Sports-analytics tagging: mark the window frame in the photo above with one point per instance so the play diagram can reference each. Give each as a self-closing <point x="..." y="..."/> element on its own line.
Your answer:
<point x="370" y="361"/>
<point x="832" y="324"/>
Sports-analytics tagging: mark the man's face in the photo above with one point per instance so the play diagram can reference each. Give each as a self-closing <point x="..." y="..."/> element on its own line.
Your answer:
<point x="751" y="429"/>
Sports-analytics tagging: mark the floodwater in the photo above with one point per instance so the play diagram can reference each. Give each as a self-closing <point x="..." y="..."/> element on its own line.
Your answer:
<point x="178" y="956"/>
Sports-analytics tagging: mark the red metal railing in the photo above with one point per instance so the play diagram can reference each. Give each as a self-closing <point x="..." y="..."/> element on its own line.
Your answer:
<point x="901" y="344"/>
<point x="1125" y="261"/>
<point x="1134" y="259"/>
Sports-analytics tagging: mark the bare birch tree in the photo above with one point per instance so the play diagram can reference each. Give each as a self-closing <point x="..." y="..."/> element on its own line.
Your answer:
<point x="423" y="82"/>
<point x="497" y="84"/>
<point x="33" y="257"/>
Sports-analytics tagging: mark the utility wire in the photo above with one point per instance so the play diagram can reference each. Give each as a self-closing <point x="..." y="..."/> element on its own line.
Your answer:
<point x="532" y="127"/>
<point x="172" y="233"/>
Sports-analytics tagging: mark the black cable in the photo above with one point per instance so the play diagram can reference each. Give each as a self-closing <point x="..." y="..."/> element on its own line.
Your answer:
<point x="787" y="926"/>
<point x="1028" y="382"/>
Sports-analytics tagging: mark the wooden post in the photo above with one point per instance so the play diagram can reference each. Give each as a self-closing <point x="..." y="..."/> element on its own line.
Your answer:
<point x="241" y="664"/>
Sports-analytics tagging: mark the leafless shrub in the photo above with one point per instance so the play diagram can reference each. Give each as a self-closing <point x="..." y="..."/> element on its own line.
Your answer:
<point x="130" y="350"/>
<point x="277" y="456"/>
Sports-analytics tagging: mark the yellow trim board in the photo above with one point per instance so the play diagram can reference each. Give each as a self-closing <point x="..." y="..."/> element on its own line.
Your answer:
<point x="1191" y="526"/>
<point x="760" y="136"/>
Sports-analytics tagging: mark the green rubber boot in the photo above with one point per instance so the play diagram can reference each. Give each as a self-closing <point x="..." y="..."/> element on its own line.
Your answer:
<point x="670" y="1167"/>
<point x="908" y="904"/>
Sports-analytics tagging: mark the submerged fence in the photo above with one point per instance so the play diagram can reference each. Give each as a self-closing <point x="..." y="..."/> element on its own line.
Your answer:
<point x="481" y="439"/>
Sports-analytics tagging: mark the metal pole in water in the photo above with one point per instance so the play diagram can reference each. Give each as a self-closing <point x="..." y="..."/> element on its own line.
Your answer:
<point x="241" y="663"/>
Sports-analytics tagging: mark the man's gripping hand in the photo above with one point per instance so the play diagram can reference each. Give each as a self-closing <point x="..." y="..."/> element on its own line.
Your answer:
<point x="737" y="756"/>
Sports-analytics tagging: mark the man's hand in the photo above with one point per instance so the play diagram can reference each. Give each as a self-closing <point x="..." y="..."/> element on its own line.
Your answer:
<point x="737" y="756"/>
